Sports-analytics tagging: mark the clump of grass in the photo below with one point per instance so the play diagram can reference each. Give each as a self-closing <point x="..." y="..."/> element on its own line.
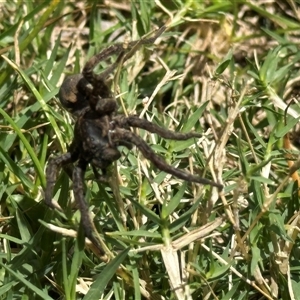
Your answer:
<point x="228" y="69"/>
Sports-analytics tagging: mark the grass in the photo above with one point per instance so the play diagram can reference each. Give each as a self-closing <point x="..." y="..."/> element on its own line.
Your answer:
<point x="227" y="69"/>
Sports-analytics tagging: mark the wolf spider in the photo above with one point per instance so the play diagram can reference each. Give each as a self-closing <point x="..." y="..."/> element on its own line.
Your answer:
<point x="99" y="131"/>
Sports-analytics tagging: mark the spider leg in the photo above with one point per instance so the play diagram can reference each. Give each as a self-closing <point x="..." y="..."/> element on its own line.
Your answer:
<point x="78" y="187"/>
<point x="51" y="176"/>
<point x="134" y="45"/>
<point x="135" y="121"/>
<point x="100" y="177"/>
<point x="122" y="134"/>
<point x="119" y="49"/>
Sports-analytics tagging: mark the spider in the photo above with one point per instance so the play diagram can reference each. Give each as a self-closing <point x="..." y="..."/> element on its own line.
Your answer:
<point x="99" y="131"/>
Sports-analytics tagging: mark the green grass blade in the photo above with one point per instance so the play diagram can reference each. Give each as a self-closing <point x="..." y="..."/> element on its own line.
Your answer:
<point x="104" y="277"/>
<point x="193" y="119"/>
<point x="42" y="102"/>
<point x="169" y="208"/>
<point x="147" y="212"/>
<point x="31" y="152"/>
<point x="20" y="278"/>
<point x="184" y="217"/>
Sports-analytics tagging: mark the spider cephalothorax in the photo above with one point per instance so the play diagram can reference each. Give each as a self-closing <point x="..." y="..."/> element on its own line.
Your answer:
<point x="99" y="130"/>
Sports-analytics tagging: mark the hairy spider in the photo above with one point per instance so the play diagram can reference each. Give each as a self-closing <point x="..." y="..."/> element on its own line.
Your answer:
<point x="99" y="131"/>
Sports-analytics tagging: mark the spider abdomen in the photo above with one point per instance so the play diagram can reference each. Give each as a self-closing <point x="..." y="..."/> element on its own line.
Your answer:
<point x="96" y="148"/>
